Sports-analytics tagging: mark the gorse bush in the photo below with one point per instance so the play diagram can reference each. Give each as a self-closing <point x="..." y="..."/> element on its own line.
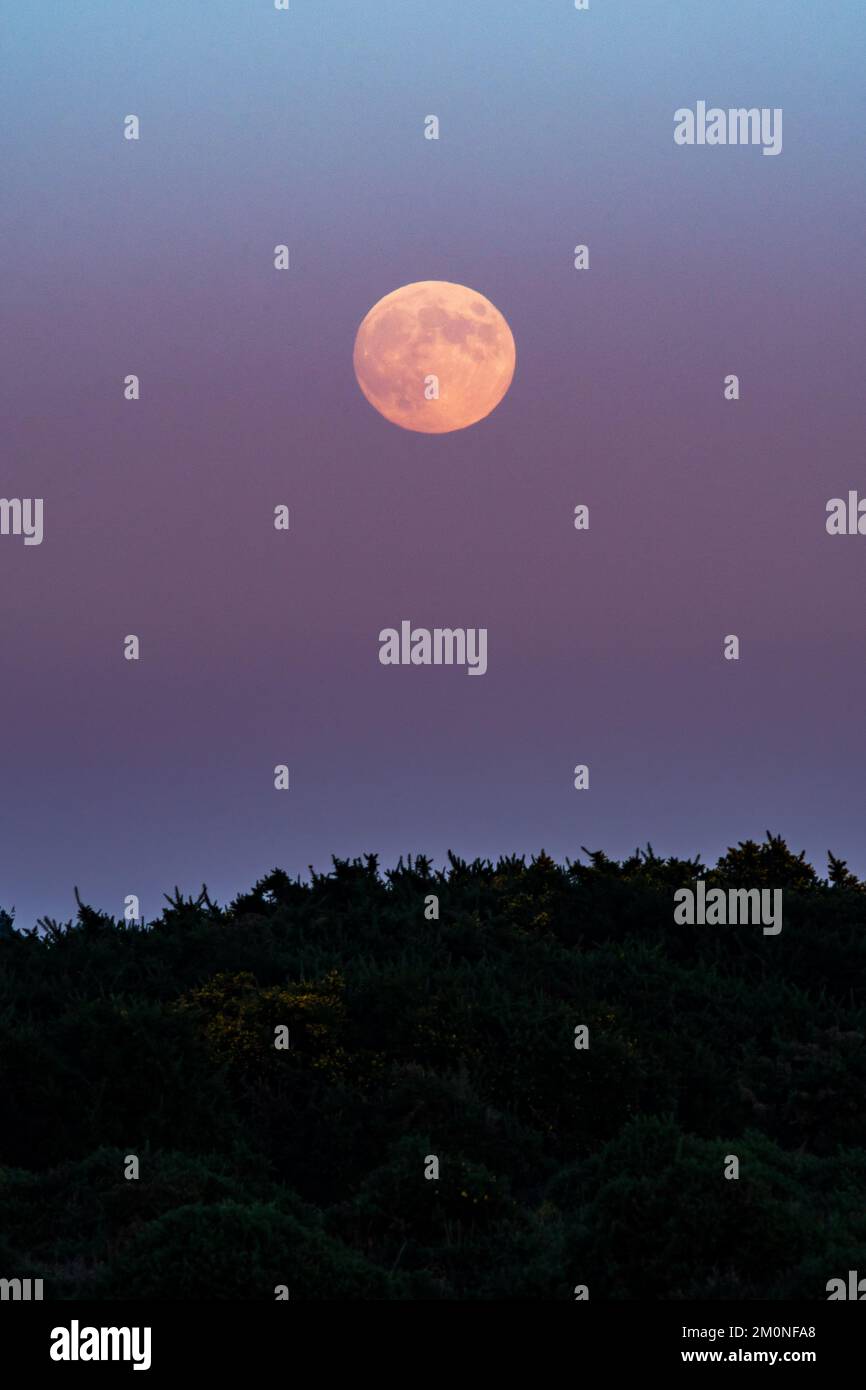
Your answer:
<point x="451" y="1038"/>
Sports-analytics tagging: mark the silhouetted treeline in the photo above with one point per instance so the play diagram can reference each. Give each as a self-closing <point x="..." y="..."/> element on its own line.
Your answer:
<point x="412" y="1037"/>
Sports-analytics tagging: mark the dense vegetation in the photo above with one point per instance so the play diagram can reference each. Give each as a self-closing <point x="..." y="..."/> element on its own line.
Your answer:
<point x="455" y="1038"/>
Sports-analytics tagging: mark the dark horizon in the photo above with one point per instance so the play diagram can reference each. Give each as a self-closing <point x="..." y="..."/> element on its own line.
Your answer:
<point x="837" y="869"/>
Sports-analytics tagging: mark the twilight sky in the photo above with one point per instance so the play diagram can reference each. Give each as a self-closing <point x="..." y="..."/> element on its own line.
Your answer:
<point x="604" y="647"/>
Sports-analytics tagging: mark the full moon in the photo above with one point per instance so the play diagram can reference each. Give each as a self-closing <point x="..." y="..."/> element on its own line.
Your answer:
<point x="434" y="357"/>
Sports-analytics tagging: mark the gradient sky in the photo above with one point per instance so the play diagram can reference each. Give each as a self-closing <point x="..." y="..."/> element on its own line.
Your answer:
<point x="604" y="647"/>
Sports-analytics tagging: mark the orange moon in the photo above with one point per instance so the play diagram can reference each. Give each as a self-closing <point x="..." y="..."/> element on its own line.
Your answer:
<point x="432" y="337"/>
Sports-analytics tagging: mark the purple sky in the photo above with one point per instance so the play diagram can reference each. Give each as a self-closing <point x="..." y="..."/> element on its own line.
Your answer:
<point x="604" y="647"/>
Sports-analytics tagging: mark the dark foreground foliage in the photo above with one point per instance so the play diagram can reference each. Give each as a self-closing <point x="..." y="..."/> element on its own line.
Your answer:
<point x="412" y="1037"/>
